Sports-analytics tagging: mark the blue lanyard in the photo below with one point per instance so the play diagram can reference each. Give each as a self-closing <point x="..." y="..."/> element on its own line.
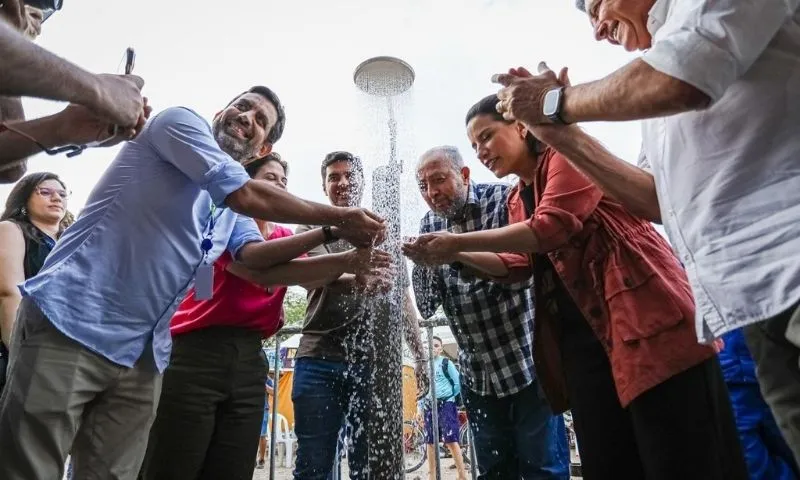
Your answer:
<point x="207" y="243"/>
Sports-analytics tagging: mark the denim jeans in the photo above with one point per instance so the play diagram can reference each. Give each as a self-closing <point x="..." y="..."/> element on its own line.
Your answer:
<point x="328" y="395"/>
<point x="517" y="436"/>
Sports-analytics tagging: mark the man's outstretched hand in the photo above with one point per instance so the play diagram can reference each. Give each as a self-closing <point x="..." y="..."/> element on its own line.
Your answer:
<point x="362" y="228"/>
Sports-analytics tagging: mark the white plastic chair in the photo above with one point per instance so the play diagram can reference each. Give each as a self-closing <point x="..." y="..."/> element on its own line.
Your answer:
<point x="284" y="436"/>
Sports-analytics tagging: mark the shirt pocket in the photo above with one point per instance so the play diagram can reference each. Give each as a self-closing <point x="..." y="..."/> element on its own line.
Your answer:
<point x="639" y="303"/>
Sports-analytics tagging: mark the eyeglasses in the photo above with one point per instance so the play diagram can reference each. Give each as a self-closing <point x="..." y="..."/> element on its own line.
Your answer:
<point x="49" y="192"/>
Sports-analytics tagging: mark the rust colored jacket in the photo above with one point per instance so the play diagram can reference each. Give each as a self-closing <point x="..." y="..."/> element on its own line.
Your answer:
<point x="621" y="274"/>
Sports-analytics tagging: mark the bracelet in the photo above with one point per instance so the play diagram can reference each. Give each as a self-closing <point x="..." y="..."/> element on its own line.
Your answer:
<point x="329" y="236"/>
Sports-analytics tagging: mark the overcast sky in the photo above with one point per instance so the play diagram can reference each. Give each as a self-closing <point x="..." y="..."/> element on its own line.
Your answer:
<point x="201" y="54"/>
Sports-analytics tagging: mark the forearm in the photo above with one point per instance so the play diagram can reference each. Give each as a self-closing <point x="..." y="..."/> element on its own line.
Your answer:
<point x="517" y="238"/>
<point x="485" y="262"/>
<point x="9" y="304"/>
<point x="628" y="184"/>
<point x="310" y="272"/>
<point x="346" y="283"/>
<point x="258" y="199"/>
<point x="635" y="91"/>
<point x="15" y="147"/>
<point x="264" y="255"/>
<point x="11" y="109"/>
<point x="29" y="70"/>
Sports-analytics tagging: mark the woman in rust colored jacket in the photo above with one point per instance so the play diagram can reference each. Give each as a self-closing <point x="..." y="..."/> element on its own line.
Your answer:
<point x="614" y="333"/>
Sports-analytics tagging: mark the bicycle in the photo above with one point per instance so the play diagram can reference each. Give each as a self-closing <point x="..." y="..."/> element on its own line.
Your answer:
<point x="415" y="452"/>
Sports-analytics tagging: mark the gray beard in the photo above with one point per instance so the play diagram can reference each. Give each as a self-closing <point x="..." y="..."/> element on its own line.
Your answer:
<point x="457" y="209"/>
<point x="237" y="148"/>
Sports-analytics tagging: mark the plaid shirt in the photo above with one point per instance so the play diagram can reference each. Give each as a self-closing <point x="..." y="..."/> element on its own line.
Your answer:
<point x="492" y="322"/>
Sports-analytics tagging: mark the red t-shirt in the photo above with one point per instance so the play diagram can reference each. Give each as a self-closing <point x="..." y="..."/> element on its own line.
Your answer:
<point x="235" y="302"/>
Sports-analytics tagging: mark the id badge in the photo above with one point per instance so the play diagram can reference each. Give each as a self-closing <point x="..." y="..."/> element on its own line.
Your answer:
<point x="204" y="282"/>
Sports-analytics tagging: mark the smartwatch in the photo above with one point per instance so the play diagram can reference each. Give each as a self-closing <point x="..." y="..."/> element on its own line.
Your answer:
<point x="553" y="102"/>
<point x="329" y="236"/>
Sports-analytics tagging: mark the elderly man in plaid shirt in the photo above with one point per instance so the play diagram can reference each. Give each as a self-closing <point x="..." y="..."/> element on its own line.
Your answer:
<point x="516" y="434"/>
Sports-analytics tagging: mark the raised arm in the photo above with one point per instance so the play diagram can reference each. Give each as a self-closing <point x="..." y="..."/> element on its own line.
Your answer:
<point x="631" y="186"/>
<point x="260" y="199"/>
<point x="31" y="71"/>
<point x="12" y="272"/>
<point x="314" y="272"/>
<point x="568" y="200"/>
<point x="73" y="125"/>
<point x="185" y="140"/>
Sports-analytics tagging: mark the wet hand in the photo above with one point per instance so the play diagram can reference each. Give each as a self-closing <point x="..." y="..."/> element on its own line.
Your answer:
<point x="522" y="96"/>
<point x="362" y="228"/>
<point x="365" y="261"/>
<point x="432" y="249"/>
<point x="376" y="281"/>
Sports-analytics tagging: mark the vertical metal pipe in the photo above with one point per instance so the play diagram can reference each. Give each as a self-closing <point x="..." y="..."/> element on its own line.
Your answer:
<point x="274" y="412"/>
<point x="473" y="462"/>
<point x="434" y="405"/>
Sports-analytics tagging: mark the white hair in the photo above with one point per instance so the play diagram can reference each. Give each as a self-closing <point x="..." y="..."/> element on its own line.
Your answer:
<point x="448" y="152"/>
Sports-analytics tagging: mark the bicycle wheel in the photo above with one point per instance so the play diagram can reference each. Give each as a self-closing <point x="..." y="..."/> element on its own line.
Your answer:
<point x="414" y="450"/>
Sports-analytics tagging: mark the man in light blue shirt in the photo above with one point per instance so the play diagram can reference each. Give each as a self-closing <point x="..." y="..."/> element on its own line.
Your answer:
<point x="447" y="384"/>
<point x="92" y="334"/>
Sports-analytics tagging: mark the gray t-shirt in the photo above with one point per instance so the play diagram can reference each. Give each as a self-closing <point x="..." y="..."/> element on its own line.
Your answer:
<point x="336" y="325"/>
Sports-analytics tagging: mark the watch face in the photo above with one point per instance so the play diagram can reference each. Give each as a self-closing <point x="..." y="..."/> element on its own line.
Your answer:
<point x="551" y="99"/>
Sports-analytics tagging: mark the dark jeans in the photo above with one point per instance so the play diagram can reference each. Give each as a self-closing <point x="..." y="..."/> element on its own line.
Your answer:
<point x="682" y="429"/>
<point x="326" y="395"/>
<point x="212" y="404"/>
<point x="517" y="436"/>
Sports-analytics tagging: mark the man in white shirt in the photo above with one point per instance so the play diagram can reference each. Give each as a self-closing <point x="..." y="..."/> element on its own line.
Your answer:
<point x="719" y="89"/>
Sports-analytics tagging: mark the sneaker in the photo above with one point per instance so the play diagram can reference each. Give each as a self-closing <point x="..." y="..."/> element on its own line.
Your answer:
<point x="260" y="465"/>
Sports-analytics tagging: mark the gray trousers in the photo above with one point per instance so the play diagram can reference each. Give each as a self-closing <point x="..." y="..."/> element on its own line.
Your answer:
<point x="61" y="397"/>
<point x="778" y="371"/>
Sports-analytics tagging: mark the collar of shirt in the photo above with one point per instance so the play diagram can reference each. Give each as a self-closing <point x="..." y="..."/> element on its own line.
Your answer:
<point x="657" y="16"/>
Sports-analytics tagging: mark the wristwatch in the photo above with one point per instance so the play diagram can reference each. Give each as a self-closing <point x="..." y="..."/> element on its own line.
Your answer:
<point x="553" y="102"/>
<point x="329" y="236"/>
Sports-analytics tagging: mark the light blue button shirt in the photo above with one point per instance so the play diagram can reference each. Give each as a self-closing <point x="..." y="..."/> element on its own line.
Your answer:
<point x="117" y="275"/>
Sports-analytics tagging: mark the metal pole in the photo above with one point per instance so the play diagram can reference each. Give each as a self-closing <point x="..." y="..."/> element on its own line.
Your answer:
<point x="473" y="467"/>
<point x="434" y="406"/>
<point x="274" y="412"/>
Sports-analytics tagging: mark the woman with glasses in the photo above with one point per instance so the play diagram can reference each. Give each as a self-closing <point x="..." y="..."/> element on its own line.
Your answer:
<point x="614" y="336"/>
<point x="35" y="216"/>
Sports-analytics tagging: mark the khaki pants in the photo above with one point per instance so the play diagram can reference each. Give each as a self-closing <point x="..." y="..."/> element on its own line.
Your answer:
<point x="778" y="371"/>
<point x="61" y="398"/>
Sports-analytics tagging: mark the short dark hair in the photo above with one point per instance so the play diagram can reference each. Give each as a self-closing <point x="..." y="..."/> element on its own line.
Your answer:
<point x="253" y="167"/>
<point x="277" y="130"/>
<point x="488" y="106"/>
<point x="341" y="156"/>
<point x="580" y="5"/>
<point x="437" y="338"/>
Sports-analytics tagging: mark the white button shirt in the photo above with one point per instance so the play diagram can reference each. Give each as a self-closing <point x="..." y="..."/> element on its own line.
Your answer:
<point x="728" y="177"/>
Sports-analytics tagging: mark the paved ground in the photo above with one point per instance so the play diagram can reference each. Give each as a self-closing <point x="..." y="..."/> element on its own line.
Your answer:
<point x="448" y="473"/>
<point x="283" y="473"/>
